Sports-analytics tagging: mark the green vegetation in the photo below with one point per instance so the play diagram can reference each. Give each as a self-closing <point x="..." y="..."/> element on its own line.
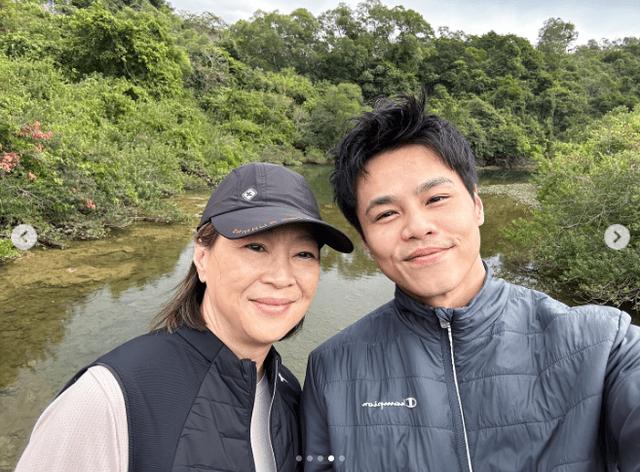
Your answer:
<point x="108" y="108"/>
<point x="585" y="187"/>
<point x="512" y="99"/>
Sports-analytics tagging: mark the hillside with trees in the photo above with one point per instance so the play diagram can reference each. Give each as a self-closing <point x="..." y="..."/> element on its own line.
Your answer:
<point x="110" y="107"/>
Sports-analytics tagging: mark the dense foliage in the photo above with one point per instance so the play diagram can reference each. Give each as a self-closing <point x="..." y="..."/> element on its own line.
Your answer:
<point x="108" y="107"/>
<point x="584" y="188"/>
<point x="513" y="99"/>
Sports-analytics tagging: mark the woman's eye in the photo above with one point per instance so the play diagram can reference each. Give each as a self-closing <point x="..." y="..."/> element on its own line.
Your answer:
<point x="255" y="247"/>
<point x="306" y="255"/>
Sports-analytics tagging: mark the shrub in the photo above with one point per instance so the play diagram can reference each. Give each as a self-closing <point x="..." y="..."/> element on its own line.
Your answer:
<point x="78" y="158"/>
<point x="7" y="251"/>
<point x="586" y="187"/>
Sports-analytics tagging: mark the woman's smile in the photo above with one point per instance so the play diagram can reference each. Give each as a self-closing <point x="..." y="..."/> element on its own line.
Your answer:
<point x="272" y="306"/>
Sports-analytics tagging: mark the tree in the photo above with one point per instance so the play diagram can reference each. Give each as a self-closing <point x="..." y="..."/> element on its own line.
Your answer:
<point x="330" y="114"/>
<point x="457" y="66"/>
<point x="556" y="35"/>
<point x="134" y="45"/>
<point x="585" y="187"/>
<point x="273" y="41"/>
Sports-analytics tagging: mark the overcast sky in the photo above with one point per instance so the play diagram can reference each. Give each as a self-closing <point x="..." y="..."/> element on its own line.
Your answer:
<point x="594" y="19"/>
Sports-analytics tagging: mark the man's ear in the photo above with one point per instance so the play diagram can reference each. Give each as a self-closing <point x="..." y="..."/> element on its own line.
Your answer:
<point x="478" y="206"/>
<point x="366" y="246"/>
<point x="200" y="254"/>
<point x="364" y="239"/>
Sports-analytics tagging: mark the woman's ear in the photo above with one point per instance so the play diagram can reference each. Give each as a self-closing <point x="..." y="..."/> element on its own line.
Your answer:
<point x="200" y="257"/>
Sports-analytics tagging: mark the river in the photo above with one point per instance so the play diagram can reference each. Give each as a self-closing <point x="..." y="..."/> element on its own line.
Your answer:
<point x="60" y="309"/>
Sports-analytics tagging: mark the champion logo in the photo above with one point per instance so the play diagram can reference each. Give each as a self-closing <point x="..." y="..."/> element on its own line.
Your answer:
<point x="408" y="402"/>
<point x="249" y="194"/>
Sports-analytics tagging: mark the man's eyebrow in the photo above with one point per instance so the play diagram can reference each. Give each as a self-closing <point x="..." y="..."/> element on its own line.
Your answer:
<point x="429" y="184"/>
<point x="384" y="200"/>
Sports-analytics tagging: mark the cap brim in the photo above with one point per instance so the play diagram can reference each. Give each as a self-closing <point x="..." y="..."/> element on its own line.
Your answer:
<point x="245" y="222"/>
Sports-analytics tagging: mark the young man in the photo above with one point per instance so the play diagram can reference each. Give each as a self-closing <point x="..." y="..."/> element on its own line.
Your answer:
<point x="461" y="371"/>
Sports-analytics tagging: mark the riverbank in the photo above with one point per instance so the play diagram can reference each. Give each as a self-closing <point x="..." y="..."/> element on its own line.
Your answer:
<point x="510" y="183"/>
<point x="524" y="193"/>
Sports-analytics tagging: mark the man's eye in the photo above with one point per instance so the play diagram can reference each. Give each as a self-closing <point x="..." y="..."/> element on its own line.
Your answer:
<point x="437" y="198"/>
<point x="255" y="247"/>
<point x="386" y="214"/>
<point x="306" y="255"/>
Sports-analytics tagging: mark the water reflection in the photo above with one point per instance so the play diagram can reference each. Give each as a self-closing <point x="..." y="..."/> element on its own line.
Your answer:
<point x="350" y="266"/>
<point x="42" y="291"/>
<point x="59" y="310"/>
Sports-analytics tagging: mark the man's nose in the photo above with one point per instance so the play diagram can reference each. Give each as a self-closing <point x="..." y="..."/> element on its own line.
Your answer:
<point x="418" y="223"/>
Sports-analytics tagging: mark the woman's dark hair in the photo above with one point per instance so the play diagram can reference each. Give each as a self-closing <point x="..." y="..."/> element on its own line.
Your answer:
<point x="394" y="123"/>
<point x="183" y="309"/>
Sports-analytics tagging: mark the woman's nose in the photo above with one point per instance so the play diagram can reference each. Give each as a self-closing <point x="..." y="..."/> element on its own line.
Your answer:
<point x="279" y="272"/>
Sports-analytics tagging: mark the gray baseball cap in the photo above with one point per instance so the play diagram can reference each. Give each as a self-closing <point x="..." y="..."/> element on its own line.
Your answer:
<point x="259" y="196"/>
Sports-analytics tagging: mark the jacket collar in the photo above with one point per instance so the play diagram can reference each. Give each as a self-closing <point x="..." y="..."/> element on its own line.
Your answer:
<point x="474" y="318"/>
<point x="213" y="349"/>
<point x="205" y="342"/>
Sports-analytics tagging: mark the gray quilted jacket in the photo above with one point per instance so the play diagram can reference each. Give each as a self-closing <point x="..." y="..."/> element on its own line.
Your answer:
<point x="515" y="381"/>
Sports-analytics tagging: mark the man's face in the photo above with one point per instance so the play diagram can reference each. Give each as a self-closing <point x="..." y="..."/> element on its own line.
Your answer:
<point x="421" y="225"/>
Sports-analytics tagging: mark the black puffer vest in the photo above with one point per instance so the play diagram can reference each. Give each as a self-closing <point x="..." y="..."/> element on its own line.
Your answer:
<point x="189" y="401"/>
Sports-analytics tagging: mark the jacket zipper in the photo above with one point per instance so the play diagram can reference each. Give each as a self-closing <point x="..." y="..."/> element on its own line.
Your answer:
<point x="273" y="396"/>
<point x="447" y="325"/>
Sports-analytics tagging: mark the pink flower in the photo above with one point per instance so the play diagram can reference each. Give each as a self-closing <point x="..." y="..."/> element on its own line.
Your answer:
<point x="35" y="132"/>
<point x="44" y="136"/>
<point x="90" y="204"/>
<point x="9" y="160"/>
<point x="31" y="176"/>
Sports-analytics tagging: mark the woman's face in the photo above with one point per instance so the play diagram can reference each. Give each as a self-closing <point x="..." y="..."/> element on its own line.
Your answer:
<point x="258" y="287"/>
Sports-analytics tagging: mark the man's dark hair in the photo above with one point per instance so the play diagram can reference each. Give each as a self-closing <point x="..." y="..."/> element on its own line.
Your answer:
<point x="394" y="123"/>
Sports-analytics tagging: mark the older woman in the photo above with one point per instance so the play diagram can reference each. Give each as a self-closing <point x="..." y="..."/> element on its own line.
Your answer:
<point x="206" y="391"/>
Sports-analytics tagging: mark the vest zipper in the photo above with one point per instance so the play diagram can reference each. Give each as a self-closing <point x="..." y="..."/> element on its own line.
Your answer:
<point x="447" y="325"/>
<point x="273" y="396"/>
<point x="253" y="381"/>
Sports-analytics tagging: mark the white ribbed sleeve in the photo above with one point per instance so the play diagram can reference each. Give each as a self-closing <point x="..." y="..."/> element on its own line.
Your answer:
<point x="84" y="429"/>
